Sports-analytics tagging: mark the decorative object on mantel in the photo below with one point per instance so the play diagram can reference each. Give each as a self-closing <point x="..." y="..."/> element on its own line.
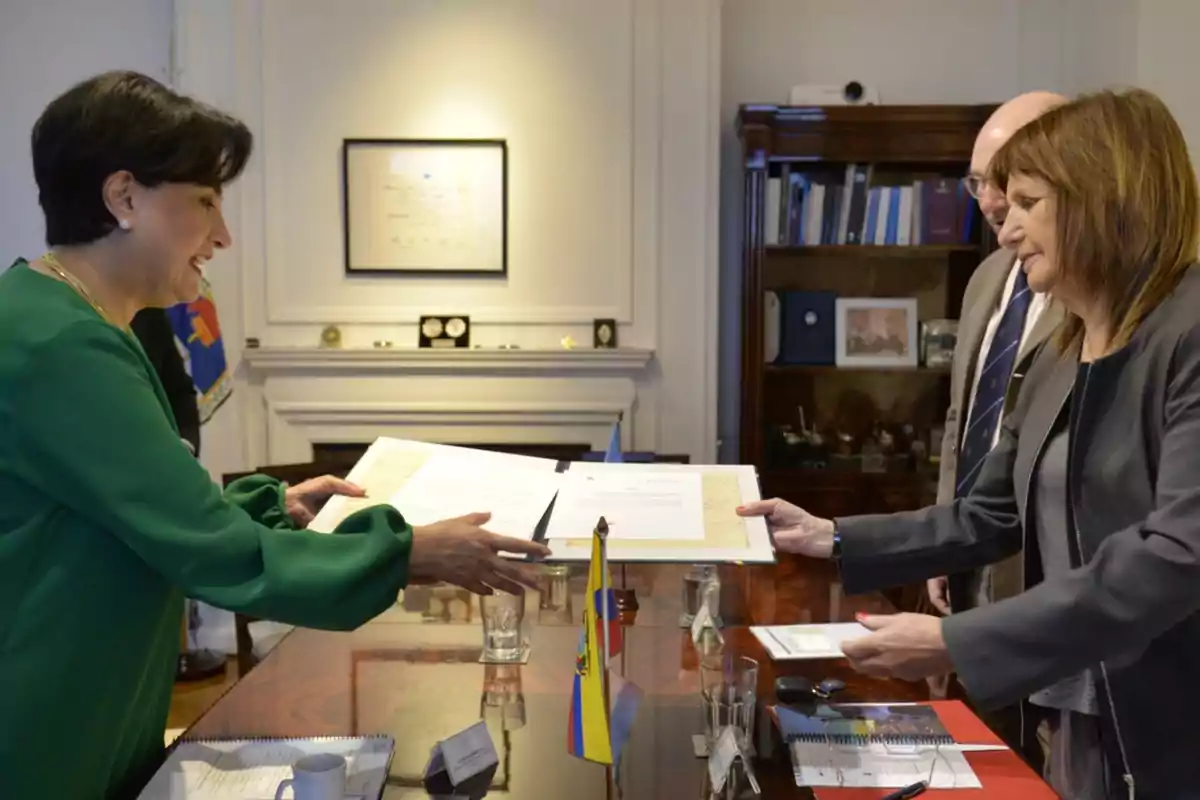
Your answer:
<point x="252" y="343"/>
<point x="383" y="344"/>
<point x="452" y="331"/>
<point x="604" y="333"/>
<point x="567" y="343"/>
<point x="425" y="206"/>
<point x="331" y="336"/>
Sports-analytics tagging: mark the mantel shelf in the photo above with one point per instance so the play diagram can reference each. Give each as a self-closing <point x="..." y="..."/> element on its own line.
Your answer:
<point x="412" y="359"/>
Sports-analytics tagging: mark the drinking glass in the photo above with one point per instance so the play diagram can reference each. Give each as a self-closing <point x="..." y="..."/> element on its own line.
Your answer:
<point x="554" y="597"/>
<point x="700" y="585"/>
<point x="503" y="617"/>
<point x="729" y="691"/>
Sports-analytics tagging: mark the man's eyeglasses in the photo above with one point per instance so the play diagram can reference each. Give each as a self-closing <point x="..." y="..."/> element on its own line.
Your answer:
<point x="975" y="184"/>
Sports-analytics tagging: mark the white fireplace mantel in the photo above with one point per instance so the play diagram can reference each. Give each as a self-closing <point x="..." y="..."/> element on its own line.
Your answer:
<point x="312" y="395"/>
<point x="425" y="360"/>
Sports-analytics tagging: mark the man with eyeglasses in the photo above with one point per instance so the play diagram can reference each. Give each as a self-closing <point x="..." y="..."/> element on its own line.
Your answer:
<point x="1001" y="324"/>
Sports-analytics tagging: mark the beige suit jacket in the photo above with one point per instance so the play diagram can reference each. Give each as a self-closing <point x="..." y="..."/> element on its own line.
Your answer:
<point x="980" y="302"/>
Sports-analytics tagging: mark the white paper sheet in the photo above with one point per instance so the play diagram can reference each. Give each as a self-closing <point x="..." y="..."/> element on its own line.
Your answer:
<point x="245" y="769"/>
<point x="635" y="504"/>
<point x="450" y="484"/>
<point x="798" y="642"/>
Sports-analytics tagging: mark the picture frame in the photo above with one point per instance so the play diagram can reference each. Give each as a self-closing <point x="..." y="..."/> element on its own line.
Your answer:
<point x="425" y="207"/>
<point x="877" y="332"/>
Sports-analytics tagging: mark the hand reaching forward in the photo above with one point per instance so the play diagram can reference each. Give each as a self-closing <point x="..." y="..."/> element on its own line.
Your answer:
<point x="906" y="646"/>
<point x="304" y="500"/>
<point x="795" y="530"/>
<point x="460" y="552"/>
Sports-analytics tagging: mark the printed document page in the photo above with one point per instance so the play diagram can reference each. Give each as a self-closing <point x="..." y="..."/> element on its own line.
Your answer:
<point x="637" y="505"/>
<point x="797" y="642"/>
<point x="451" y="483"/>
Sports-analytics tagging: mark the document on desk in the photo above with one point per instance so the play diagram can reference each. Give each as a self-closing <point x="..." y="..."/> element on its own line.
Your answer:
<point x="251" y="769"/>
<point x="451" y="483"/>
<point x="636" y="505"/>
<point x="799" y="642"/>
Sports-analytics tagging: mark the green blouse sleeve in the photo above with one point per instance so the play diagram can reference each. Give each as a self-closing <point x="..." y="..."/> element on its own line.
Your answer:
<point x="92" y="434"/>
<point x="261" y="496"/>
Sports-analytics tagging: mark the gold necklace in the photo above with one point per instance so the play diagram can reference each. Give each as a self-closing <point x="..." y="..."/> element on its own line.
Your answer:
<point x="51" y="261"/>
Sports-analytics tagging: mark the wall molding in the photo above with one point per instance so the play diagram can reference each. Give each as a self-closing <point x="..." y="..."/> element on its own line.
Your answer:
<point x="362" y="360"/>
<point x="444" y="412"/>
<point x="641" y="149"/>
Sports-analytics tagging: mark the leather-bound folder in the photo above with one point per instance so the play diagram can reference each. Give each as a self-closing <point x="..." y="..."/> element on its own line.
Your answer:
<point x="808" y="328"/>
<point x="1003" y="774"/>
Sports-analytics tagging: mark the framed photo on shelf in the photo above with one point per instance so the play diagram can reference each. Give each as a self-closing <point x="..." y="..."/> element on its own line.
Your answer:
<point x="425" y="206"/>
<point x="876" y="332"/>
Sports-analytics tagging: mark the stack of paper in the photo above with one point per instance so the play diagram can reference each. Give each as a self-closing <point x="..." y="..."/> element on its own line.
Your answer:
<point x="798" y="642"/>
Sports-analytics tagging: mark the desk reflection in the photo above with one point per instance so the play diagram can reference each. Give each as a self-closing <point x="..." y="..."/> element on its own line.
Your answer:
<point x="414" y="673"/>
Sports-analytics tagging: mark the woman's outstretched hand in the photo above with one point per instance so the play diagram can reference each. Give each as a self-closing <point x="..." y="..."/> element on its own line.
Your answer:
<point x="304" y="500"/>
<point x="794" y="529"/>
<point x="460" y="551"/>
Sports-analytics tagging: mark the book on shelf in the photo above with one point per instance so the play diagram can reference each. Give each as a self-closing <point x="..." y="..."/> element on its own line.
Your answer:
<point x="806" y="208"/>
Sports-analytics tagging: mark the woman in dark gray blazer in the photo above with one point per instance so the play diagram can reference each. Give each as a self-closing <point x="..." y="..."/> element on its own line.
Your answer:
<point x="1096" y="476"/>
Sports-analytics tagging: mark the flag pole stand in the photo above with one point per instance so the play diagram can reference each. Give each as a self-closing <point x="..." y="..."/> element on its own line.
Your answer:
<point x="627" y="602"/>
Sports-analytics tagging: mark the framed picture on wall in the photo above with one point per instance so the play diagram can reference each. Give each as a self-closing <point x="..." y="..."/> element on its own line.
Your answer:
<point x="876" y="332"/>
<point x="425" y="206"/>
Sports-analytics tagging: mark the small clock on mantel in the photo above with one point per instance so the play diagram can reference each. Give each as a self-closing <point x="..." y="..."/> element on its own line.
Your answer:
<point x="453" y="331"/>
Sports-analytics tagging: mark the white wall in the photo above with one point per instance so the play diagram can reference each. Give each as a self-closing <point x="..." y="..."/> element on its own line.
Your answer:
<point x="1166" y="61"/>
<point x="45" y="47"/>
<point x="609" y="111"/>
<point x="917" y="51"/>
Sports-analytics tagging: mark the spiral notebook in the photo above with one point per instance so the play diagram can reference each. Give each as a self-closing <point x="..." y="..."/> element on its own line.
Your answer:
<point x="251" y="769"/>
<point x="883" y="745"/>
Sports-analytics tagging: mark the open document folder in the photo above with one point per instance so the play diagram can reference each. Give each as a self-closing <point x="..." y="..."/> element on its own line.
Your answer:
<point x="656" y="512"/>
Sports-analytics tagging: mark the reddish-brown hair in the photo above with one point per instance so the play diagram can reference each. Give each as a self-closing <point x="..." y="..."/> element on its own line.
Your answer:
<point x="1127" y="202"/>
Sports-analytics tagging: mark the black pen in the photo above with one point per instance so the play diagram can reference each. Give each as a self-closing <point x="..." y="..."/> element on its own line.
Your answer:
<point x="908" y="791"/>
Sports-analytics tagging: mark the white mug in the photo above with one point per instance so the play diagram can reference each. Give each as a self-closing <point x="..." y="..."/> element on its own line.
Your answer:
<point x="316" y="777"/>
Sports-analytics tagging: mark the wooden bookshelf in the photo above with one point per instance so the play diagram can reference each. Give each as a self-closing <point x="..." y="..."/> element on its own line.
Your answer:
<point x="902" y="145"/>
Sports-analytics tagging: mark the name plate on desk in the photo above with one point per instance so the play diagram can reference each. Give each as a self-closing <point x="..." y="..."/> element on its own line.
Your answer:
<point x="462" y="765"/>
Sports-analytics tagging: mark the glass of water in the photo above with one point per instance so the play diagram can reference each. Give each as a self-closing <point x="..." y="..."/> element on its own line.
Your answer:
<point x="729" y="691"/>
<point x="503" y="626"/>
<point x="700" y="585"/>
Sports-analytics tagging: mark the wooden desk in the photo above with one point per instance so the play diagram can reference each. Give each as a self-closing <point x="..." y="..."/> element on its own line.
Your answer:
<point x="420" y="681"/>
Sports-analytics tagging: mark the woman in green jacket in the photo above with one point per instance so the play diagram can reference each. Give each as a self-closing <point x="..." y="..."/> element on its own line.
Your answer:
<point x="106" y="520"/>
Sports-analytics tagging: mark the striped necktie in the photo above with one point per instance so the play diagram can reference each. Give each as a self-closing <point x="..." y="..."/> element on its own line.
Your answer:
<point x="988" y="404"/>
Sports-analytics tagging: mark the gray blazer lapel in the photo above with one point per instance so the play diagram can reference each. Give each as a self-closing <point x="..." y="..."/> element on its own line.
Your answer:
<point x="1052" y="316"/>
<point x="1049" y="395"/>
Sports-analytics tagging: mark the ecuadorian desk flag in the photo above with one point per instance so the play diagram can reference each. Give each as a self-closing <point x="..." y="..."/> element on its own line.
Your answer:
<point x="599" y="725"/>
<point x="198" y="335"/>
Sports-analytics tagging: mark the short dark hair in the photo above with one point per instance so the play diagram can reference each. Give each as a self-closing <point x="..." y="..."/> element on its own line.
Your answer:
<point x="126" y="121"/>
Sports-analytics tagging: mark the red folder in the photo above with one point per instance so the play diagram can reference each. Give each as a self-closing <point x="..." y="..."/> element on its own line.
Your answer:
<point x="1003" y="774"/>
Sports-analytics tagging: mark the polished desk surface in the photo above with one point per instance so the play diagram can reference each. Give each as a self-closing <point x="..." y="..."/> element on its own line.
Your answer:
<point x="415" y="675"/>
